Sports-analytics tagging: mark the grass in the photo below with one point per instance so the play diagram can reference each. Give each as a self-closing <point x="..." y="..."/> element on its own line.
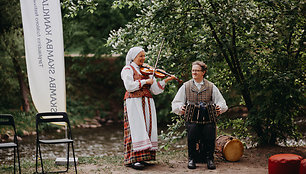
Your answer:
<point x="106" y="162"/>
<point x="28" y="166"/>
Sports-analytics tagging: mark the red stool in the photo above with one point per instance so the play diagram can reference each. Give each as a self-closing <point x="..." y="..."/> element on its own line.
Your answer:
<point x="284" y="164"/>
<point x="303" y="167"/>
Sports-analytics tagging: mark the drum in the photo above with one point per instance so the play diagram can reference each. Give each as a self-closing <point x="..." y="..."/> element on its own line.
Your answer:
<point x="229" y="147"/>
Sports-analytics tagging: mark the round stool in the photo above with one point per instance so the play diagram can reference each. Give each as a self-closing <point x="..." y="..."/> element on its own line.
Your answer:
<point x="303" y="167"/>
<point x="284" y="164"/>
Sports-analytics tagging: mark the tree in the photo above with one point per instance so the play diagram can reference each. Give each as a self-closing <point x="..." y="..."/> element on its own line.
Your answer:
<point x="260" y="44"/>
<point x="11" y="44"/>
<point x="87" y="33"/>
<point x="86" y="26"/>
<point x="11" y="38"/>
<point x="279" y="70"/>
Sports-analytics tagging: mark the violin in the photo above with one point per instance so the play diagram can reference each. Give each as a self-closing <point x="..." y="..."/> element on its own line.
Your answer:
<point x="146" y="69"/>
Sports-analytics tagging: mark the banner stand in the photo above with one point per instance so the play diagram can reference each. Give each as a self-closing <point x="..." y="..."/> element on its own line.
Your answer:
<point x="44" y="52"/>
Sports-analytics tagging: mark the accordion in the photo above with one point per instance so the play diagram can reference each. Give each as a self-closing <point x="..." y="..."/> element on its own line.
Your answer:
<point x="201" y="113"/>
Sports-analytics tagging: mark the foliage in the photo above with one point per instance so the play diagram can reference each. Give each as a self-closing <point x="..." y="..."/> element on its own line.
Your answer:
<point x="254" y="48"/>
<point x="279" y="71"/>
<point x="86" y="33"/>
<point x="11" y="42"/>
<point x="13" y="81"/>
<point x="174" y="132"/>
<point x="94" y="87"/>
<point x="276" y="107"/>
<point x="9" y="86"/>
<point x="10" y="15"/>
<point x="86" y="28"/>
<point x="237" y="127"/>
<point x="11" y="52"/>
<point x="72" y="8"/>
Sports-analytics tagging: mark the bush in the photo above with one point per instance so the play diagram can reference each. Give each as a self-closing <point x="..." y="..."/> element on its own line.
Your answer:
<point x="275" y="107"/>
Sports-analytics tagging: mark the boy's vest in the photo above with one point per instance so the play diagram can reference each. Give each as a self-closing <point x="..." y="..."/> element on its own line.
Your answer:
<point x="195" y="96"/>
<point x="199" y="107"/>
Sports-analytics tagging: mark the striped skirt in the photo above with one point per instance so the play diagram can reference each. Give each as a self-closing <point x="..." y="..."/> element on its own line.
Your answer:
<point x="129" y="155"/>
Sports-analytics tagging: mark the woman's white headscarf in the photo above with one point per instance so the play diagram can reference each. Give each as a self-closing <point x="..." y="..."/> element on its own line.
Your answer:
<point x="132" y="54"/>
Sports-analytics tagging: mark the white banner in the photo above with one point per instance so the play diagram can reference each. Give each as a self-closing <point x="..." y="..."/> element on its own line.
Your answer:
<point x="44" y="50"/>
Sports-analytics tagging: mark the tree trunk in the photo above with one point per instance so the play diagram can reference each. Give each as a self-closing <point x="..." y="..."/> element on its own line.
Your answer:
<point x="22" y="86"/>
<point x="234" y="66"/>
<point x="247" y="97"/>
<point x="230" y="55"/>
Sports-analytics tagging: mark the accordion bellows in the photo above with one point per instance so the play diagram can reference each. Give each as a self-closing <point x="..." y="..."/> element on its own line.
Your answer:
<point x="201" y="113"/>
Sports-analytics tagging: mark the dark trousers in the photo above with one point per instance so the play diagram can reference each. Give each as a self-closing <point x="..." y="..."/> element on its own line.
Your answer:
<point x="205" y="135"/>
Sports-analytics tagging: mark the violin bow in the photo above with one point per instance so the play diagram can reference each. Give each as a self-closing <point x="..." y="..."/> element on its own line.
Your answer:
<point x="158" y="56"/>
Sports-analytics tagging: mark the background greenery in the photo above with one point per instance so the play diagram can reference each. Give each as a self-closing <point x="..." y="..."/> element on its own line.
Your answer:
<point x="255" y="52"/>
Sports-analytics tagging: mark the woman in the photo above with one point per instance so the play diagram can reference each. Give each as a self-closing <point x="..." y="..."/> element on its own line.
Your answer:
<point x="140" y="124"/>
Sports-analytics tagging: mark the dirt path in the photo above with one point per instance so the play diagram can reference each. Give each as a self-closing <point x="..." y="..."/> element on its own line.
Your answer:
<point x="254" y="161"/>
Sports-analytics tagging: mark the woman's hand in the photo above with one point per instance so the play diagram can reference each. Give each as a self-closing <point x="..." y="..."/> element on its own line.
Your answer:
<point x="170" y="78"/>
<point x="149" y="81"/>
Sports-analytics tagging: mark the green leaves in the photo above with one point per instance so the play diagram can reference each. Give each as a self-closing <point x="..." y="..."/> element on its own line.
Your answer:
<point x="72" y="8"/>
<point x="174" y="132"/>
<point x="253" y="49"/>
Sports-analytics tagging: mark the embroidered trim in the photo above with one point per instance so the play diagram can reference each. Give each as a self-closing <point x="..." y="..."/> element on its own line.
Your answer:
<point x="144" y="110"/>
<point x="150" y="127"/>
<point x="139" y="84"/>
<point x="160" y="86"/>
<point x="144" y="145"/>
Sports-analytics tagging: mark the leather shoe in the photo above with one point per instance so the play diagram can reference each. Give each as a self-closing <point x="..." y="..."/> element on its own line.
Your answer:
<point x="211" y="164"/>
<point x="191" y="164"/>
<point x="137" y="166"/>
<point x="146" y="164"/>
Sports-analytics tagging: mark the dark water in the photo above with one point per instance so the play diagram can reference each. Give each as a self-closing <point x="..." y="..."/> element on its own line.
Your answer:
<point x="102" y="141"/>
